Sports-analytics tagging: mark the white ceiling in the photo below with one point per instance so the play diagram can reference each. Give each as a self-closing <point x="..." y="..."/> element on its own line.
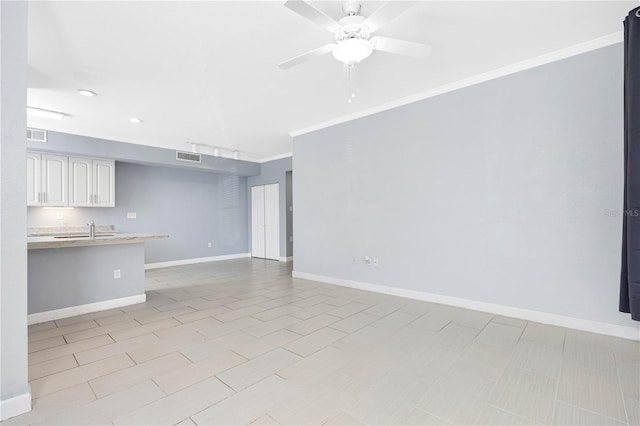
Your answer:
<point x="207" y="72"/>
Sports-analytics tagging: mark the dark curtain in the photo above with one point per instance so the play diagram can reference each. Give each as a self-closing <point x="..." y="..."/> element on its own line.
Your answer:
<point x="630" y="276"/>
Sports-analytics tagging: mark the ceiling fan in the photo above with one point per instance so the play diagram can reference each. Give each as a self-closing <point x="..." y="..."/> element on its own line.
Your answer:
<point x="353" y="33"/>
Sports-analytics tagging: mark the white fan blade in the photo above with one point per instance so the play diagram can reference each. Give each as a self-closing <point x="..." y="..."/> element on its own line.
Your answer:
<point x="386" y="13"/>
<point x="314" y="15"/>
<point x="400" y="47"/>
<point x="308" y="55"/>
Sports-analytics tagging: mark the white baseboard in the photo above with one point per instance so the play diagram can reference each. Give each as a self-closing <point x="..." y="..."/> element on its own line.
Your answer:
<point x="509" y="311"/>
<point x="182" y="262"/>
<point x="15" y="406"/>
<point x="85" y="309"/>
<point x="286" y="259"/>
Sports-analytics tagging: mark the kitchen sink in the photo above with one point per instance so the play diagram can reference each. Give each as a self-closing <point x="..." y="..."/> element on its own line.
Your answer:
<point x="82" y="236"/>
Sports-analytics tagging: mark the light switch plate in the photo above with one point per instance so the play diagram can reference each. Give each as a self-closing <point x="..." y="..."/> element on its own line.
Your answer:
<point x="131" y="215"/>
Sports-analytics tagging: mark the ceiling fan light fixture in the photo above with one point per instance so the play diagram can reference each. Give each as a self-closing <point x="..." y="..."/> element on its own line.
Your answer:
<point x="352" y="50"/>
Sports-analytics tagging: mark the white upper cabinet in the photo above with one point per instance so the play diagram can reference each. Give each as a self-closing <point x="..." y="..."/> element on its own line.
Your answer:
<point x="34" y="182"/>
<point x="57" y="181"/>
<point x="47" y="180"/>
<point x="104" y="183"/>
<point x="91" y="182"/>
<point x="80" y="182"/>
<point x="54" y="180"/>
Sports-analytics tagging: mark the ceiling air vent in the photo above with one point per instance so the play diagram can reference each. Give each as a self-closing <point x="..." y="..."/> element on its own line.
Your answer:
<point x="36" y="135"/>
<point x="188" y="156"/>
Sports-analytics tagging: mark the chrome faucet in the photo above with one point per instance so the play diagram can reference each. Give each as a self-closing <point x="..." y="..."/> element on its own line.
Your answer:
<point x="92" y="230"/>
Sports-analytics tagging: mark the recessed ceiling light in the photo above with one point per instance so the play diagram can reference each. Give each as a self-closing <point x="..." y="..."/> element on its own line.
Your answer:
<point x="85" y="92"/>
<point x="45" y="113"/>
<point x="135" y="120"/>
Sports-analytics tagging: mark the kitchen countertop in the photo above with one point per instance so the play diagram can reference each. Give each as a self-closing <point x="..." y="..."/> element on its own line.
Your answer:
<point x="48" y="242"/>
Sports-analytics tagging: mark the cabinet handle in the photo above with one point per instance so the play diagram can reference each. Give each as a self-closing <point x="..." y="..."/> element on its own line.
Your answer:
<point x="39" y="197"/>
<point x="44" y="197"/>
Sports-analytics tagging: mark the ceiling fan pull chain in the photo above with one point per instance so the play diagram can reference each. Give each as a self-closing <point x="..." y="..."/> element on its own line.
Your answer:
<point x="352" y="93"/>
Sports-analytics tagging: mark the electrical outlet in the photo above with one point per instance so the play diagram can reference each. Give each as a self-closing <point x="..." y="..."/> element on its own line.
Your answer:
<point x="209" y="244"/>
<point x="132" y="215"/>
<point x="290" y="238"/>
<point x="367" y="260"/>
<point x="116" y="274"/>
<point x="375" y="261"/>
<point x="59" y="215"/>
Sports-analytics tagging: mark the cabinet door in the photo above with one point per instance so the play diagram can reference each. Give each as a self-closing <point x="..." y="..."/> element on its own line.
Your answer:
<point x="34" y="181"/>
<point x="54" y="180"/>
<point x="104" y="183"/>
<point x="80" y="182"/>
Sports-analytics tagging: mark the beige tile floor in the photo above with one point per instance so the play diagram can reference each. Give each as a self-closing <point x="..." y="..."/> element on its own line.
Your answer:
<point x="241" y="342"/>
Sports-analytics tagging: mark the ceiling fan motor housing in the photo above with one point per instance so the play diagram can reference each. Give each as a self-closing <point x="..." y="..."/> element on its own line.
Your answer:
<point x="352" y="27"/>
<point x="351" y="8"/>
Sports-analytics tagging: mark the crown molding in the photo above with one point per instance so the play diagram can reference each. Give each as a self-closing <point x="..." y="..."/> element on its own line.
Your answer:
<point x="547" y="58"/>
<point x="275" y="157"/>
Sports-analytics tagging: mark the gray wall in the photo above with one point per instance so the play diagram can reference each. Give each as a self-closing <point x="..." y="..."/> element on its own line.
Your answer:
<point x="13" y="245"/>
<point x="193" y="207"/>
<point x="64" y="277"/>
<point x="507" y="192"/>
<point x="85" y="146"/>
<point x="274" y="172"/>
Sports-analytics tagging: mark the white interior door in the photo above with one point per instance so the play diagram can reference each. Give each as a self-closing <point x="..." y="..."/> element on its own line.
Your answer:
<point x="272" y="221"/>
<point x="257" y="222"/>
<point x="265" y="221"/>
